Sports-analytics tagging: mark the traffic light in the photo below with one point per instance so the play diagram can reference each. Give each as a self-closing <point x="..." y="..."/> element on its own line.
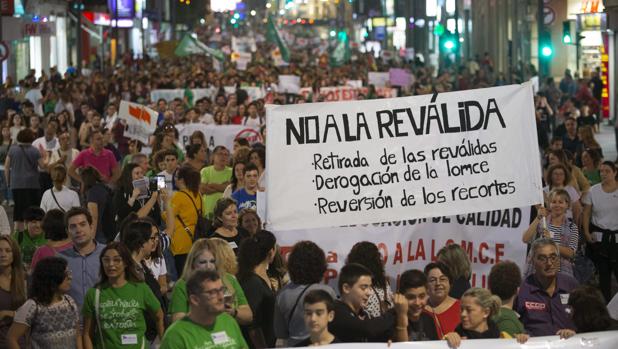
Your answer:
<point x="545" y="45"/>
<point x="449" y="42"/>
<point x="566" y="33"/>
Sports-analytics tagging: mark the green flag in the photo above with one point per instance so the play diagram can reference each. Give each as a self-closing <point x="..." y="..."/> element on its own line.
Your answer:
<point x="189" y="45"/>
<point x="273" y="35"/>
<point x="341" y="54"/>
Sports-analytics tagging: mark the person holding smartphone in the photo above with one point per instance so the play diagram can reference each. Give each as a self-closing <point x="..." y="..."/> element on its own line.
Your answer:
<point x="141" y="200"/>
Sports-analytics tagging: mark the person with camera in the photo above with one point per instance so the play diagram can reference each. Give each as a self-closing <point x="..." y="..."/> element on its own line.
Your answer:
<point x="135" y="193"/>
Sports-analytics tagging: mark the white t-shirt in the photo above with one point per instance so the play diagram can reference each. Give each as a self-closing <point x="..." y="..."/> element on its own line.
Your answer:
<point x="158" y="267"/>
<point x="604" y="209"/>
<point x="207" y="119"/>
<point x="34" y="95"/>
<point x="67" y="199"/>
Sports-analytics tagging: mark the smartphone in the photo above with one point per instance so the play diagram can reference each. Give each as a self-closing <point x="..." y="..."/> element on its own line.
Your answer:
<point x="161" y="182"/>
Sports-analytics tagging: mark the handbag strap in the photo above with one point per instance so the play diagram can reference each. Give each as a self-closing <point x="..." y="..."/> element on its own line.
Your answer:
<point x="199" y="212"/>
<point x="296" y="304"/>
<point x="56" y="200"/>
<point x="97" y="301"/>
<point x="185" y="227"/>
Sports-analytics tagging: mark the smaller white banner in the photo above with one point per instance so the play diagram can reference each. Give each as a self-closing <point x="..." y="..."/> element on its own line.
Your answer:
<point x="141" y="121"/>
<point x="219" y="134"/>
<point x="378" y="79"/>
<point x="289" y="83"/>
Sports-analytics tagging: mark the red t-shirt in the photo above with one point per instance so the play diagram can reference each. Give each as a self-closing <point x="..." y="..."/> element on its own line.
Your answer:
<point x="446" y="321"/>
<point x="104" y="162"/>
<point x="236" y="120"/>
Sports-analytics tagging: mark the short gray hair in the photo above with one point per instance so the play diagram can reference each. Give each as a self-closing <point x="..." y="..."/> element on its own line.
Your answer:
<point x="538" y="243"/>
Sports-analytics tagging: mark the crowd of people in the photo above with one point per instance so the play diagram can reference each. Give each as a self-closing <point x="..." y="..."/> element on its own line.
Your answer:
<point x="119" y="244"/>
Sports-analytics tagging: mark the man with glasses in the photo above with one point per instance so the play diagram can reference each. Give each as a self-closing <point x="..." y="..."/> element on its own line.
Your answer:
<point x="207" y="325"/>
<point x="543" y="296"/>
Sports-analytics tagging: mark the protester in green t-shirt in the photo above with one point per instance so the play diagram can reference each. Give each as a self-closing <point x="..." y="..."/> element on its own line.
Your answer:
<point x="115" y="309"/>
<point x="504" y="281"/>
<point x="32" y="237"/>
<point x="207" y="326"/>
<point x="202" y="257"/>
<point x="215" y="179"/>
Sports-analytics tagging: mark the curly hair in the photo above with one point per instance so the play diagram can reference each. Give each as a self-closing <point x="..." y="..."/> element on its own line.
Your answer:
<point x="367" y="254"/>
<point x="253" y="251"/>
<point x="589" y="310"/>
<point x="550" y="171"/>
<point x="48" y="275"/>
<point x="306" y="263"/>
<point x="504" y="279"/>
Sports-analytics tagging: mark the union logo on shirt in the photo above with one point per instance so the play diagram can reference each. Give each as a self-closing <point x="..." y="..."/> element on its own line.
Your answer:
<point x="534" y="306"/>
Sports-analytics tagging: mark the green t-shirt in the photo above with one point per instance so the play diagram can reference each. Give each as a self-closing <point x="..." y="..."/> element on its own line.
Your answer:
<point x="186" y="334"/>
<point x="212" y="176"/>
<point x="180" y="299"/>
<point x="507" y="321"/>
<point x="121" y="314"/>
<point x="28" y="244"/>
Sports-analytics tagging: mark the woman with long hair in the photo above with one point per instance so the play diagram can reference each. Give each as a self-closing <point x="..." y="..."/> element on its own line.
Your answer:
<point x="443" y="308"/>
<point x="478" y="306"/>
<point x="367" y="254"/>
<point x="458" y="263"/>
<point x="128" y="198"/>
<point x="12" y="284"/>
<point x="5" y="145"/>
<point x="254" y="256"/>
<point x="600" y="225"/>
<point x="139" y="235"/>
<point x="225" y="225"/>
<point x="99" y="203"/>
<point x="115" y="309"/>
<point x="16" y="124"/>
<point x="237" y="180"/>
<point x="49" y="319"/>
<point x="590" y="166"/>
<point x="589" y="312"/>
<point x="249" y="220"/>
<point x="183" y="212"/>
<point x="203" y="257"/>
<point x="586" y="135"/>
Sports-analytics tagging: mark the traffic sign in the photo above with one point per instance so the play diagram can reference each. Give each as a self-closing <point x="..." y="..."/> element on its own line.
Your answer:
<point x="4" y="51"/>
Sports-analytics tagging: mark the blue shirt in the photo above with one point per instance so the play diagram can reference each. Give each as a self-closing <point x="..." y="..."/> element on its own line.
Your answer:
<point x="542" y="314"/>
<point x="244" y="199"/>
<point x="84" y="269"/>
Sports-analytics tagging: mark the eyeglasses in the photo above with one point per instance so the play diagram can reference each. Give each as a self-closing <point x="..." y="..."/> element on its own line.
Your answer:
<point x="441" y="280"/>
<point x="552" y="258"/>
<point x="215" y="292"/>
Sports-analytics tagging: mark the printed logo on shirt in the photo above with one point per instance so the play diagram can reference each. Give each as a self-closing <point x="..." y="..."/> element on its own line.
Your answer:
<point x="534" y="306"/>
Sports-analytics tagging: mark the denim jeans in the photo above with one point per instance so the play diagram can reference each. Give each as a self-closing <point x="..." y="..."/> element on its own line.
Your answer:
<point x="4" y="188"/>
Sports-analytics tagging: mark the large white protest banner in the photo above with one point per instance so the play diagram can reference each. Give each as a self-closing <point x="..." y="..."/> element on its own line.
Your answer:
<point x="141" y="121"/>
<point x="219" y="134"/>
<point x="403" y="158"/>
<point x="487" y="237"/>
<point x="596" y="340"/>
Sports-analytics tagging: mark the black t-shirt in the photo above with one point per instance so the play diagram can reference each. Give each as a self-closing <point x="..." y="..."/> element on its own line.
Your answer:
<point x="101" y="195"/>
<point x="350" y="327"/>
<point x="234" y="241"/>
<point x="261" y="299"/>
<point x="422" y="330"/>
<point x="307" y="342"/>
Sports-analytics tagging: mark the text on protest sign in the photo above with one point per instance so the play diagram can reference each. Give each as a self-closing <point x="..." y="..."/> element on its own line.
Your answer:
<point x="396" y="159"/>
<point x="141" y="121"/>
<point x="487" y="238"/>
<point x="216" y="135"/>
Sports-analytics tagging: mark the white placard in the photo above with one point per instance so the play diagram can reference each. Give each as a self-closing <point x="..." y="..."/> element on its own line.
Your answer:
<point x="487" y="237"/>
<point x="141" y="121"/>
<point x="219" y="134"/>
<point x="402" y="158"/>
<point x="379" y="79"/>
<point x="289" y="83"/>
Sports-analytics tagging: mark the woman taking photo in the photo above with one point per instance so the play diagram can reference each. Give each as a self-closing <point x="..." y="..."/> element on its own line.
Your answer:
<point x="478" y="306"/>
<point x="21" y="173"/>
<point x="367" y="254"/>
<point x="225" y="225"/>
<point x="254" y="256"/>
<point x="441" y="307"/>
<point x="558" y="227"/>
<point x="557" y="178"/>
<point x="115" y="309"/>
<point x="128" y="199"/>
<point x="600" y="225"/>
<point x="12" y="284"/>
<point x="50" y="318"/>
<point x="202" y="257"/>
<point x="183" y="212"/>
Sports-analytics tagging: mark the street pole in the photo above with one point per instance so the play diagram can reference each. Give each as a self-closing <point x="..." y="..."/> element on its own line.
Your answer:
<point x="543" y="63"/>
<point x="1" y="63"/>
